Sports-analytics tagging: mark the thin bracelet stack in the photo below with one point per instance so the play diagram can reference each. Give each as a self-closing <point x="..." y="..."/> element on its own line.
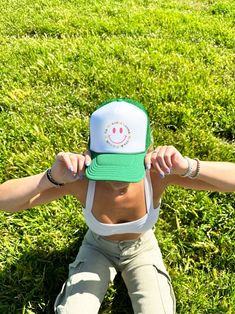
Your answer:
<point x="189" y="172"/>
<point x="50" y="178"/>
<point x="197" y="169"/>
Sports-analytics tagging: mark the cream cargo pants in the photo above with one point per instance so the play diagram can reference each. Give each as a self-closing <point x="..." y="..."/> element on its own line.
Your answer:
<point x="141" y="266"/>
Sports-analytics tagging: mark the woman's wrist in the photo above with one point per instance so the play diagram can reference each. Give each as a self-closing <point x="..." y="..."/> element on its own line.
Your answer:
<point x="51" y="179"/>
<point x="193" y="168"/>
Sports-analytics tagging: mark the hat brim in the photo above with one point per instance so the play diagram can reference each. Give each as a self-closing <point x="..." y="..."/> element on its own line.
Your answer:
<point x="116" y="167"/>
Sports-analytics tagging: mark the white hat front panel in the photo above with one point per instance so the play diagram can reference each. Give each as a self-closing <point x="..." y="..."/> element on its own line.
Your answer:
<point x="118" y="127"/>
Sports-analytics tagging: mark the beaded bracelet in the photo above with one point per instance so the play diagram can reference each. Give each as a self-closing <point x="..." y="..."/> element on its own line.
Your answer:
<point x="50" y="178"/>
<point x="197" y="169"/>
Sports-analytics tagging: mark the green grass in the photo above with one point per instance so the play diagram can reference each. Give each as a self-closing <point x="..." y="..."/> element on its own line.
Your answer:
<point x="59" y="59"/>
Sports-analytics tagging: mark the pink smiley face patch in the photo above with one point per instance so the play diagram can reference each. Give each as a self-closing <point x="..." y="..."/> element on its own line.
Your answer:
<point x="117" y="134"/>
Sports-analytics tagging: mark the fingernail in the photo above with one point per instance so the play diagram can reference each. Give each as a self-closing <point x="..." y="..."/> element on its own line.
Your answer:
<point x="168" y="171"/>
<point x="148" y="166"/>
<point x="87" y="163"/>
<point x="71" y="168"/>
<point x="162" y="175"/>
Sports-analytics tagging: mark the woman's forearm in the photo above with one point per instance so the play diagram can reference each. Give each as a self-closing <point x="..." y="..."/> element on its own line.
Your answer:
<point x="212" y="176"/>
<point x="219" y="174"/>
<point x="38" y="189"/>
<point x="14" y="193"/>
<point x="170" y="165"/>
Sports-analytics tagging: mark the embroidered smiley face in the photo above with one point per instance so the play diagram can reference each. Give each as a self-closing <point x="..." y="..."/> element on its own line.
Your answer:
<point x="117" y="134"/>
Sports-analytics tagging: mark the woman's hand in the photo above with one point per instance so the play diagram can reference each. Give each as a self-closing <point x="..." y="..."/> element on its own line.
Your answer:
<point x="69" y="167"/>
<point x="166" y="160"/>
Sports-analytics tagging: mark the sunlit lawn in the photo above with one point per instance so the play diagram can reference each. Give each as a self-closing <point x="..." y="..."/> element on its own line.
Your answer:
<point x="59" y="59"/>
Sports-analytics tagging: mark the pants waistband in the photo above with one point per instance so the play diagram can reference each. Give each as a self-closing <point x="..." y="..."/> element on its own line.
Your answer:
<point x="146" y="235"/>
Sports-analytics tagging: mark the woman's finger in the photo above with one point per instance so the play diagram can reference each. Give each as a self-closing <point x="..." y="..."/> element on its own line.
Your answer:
<point x="81" y="166"/>
<point x="64" y="157"/>
<point x="159" y="156"/>
<point x="155" y="162"/>
<point x="74" y="162"/>
<point x="87" y="156"/>
<point x="162" y="159"/>
<point x="169" y="152"/>
<point x="147" y="161"/>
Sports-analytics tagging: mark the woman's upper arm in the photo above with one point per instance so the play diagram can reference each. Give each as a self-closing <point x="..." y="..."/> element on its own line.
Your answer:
<point x="77" y="189"/>
<point x="44" y="197"/>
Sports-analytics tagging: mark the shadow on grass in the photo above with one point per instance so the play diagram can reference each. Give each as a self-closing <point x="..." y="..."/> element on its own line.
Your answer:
<point x="31" y="284"/>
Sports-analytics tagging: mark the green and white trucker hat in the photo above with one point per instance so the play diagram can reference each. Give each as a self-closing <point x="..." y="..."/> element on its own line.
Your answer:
<point x="119" y="140"/>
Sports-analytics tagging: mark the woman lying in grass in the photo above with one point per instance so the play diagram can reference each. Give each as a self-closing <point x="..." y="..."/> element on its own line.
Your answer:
<point x="121" y="194"/>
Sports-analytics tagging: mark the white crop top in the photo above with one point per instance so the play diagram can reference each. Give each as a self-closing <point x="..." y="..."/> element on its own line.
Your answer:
<point x="137" y="226"/>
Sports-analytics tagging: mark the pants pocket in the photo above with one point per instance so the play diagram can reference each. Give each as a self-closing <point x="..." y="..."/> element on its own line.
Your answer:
<point x="67" y="288"/>
<point x="150" y="289"/>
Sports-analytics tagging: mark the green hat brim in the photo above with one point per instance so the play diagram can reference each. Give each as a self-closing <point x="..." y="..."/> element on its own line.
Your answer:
<point x="116" y="167"/>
